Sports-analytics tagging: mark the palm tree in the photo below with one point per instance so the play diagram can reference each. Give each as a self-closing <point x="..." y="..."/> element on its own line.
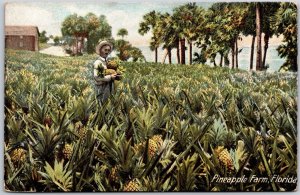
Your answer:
<point x="190" y="31"/>
<point x="269" y="13"/>
<point x="68" y="26"/>
<point x="89" y="27"/>
<point x="93" y="23"/>
<point x="122" y="32"/>
<point x="239" y="13"/>
<point x="189" y="17"/>
<point x="98" y="29"/>
<point x="149" y="22"/>
<point x="250" y="30"/>
<point x="224" y="22"/>
<point x="183" y="15"/>
<point x="258" y="36"/>
<point x="165" y="31"/>
<point x="286" y="24"/>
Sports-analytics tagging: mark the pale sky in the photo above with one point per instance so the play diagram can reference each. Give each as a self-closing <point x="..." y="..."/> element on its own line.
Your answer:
<point x="127" y="14"/>
<point x="49" y="16"/>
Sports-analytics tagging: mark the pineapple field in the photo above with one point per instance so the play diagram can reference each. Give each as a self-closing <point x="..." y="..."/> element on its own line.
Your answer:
<point x="166" y="128"/>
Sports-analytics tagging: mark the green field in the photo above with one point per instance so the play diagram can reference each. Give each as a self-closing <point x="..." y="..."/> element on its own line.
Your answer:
<point x="166" y="128"/>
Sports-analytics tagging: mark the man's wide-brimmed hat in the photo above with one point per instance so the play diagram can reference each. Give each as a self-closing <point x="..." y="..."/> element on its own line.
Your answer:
<point x="101" y="44"/>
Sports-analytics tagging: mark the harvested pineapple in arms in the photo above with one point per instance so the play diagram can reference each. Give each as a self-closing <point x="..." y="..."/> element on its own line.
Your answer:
<point x="113" y="67"/>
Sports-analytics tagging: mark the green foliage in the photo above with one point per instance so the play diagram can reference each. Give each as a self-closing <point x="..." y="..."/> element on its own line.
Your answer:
<point x="42" y="37"/>
<point x="286" y="24"/>
<point x="122" y="32"/>
<point x="125" y="51"/>
<point x="57" y="40"/>
<point x="89" y="26"/>
<point x="57" y="177"/>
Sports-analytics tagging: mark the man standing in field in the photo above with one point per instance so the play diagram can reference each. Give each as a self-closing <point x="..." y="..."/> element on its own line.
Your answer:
<point x="104" y="84"/>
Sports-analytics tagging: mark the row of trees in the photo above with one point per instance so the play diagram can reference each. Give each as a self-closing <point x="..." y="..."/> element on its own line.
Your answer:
<point x="76" y="29"/>
<point x="43" y="38"/>
<point x="84" y="32"/>
<point x="216" y="31"/>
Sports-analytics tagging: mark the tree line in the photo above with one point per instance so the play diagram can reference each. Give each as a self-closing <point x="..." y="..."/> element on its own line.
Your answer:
<point x="82" y="33"/>
<point x="216" y="31"/>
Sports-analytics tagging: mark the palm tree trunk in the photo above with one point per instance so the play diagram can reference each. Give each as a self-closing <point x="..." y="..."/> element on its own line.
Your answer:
<point x="156" y="54"/>
<point x="165" y="56"/>
<point x="295" y="64"/>
<point x="258" y="35"/>
<point x="221" y="60"/>
<point x="191" y="52"/>
<point x="226" y="59"/>
<point x="76" y="45"/>
<point x="252" y="52"/>
<point x="81" y="44"/>
<point x="170" y="55"/>
<point x="266" y="40"/>
<point x="236" y="53"/>
<point x="178" y="52"/>
<point x="232" y="55"/>
<point x="182" y="47"/>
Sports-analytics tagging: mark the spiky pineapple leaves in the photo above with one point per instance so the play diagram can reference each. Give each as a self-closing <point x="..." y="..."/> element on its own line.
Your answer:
<point x="57" y="176"/>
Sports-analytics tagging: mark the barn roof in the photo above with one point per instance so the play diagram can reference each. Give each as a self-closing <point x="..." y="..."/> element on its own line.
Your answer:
<point x="21" y="30"/>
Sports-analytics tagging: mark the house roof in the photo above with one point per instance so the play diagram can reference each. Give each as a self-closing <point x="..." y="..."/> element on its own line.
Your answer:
<point x="21" y="30"/>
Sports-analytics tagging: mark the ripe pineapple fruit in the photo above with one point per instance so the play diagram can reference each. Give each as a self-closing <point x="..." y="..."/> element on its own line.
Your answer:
<point x="158" y="140"/>
<point x="132" y="186"/>
<point x="154" y="145"/>
<point x="109" y="71"/>
<point x="82" y="132"/>
<point x="138" y="147"/>
<point x="18" y="155"/>
<point x="80" y="129"/>
<point x="224" y="157"/>
<point x="113" y="64"/>
<point x="67" y="151"/>
<point x="114" y="174"/>
<point x="78" y="125"/>
<point x="152" y="148"/>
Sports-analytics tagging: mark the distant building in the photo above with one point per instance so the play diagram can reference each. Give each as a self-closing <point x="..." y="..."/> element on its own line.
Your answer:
<point x="22" y="37"/>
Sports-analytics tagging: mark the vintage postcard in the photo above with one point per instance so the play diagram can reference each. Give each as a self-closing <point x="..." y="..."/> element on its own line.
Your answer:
<point x="152" y="96"/>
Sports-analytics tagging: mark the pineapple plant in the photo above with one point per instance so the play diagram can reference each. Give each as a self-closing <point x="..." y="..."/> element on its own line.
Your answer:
<point x="118" y="156"/>
<point x="67" y="151"/>
<point x="158" y="140"/>
<point x="114" y="176"/>
<point x="81" y="130"/>
<point x="48" y="121"/>
<point x="155" y="144"/>
<point x="152" y="148"/>
<point x="224" y="158"/>
<point x="132" y="186"/>
<point x="137" y="148"/>
<point x="18" y="155"/>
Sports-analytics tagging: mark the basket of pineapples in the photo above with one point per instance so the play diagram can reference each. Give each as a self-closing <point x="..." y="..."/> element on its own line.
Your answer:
<point x="113" y="67"/>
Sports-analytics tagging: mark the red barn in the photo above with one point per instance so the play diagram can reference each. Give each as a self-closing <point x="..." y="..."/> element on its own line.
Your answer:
<point x="22" y="37"/>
